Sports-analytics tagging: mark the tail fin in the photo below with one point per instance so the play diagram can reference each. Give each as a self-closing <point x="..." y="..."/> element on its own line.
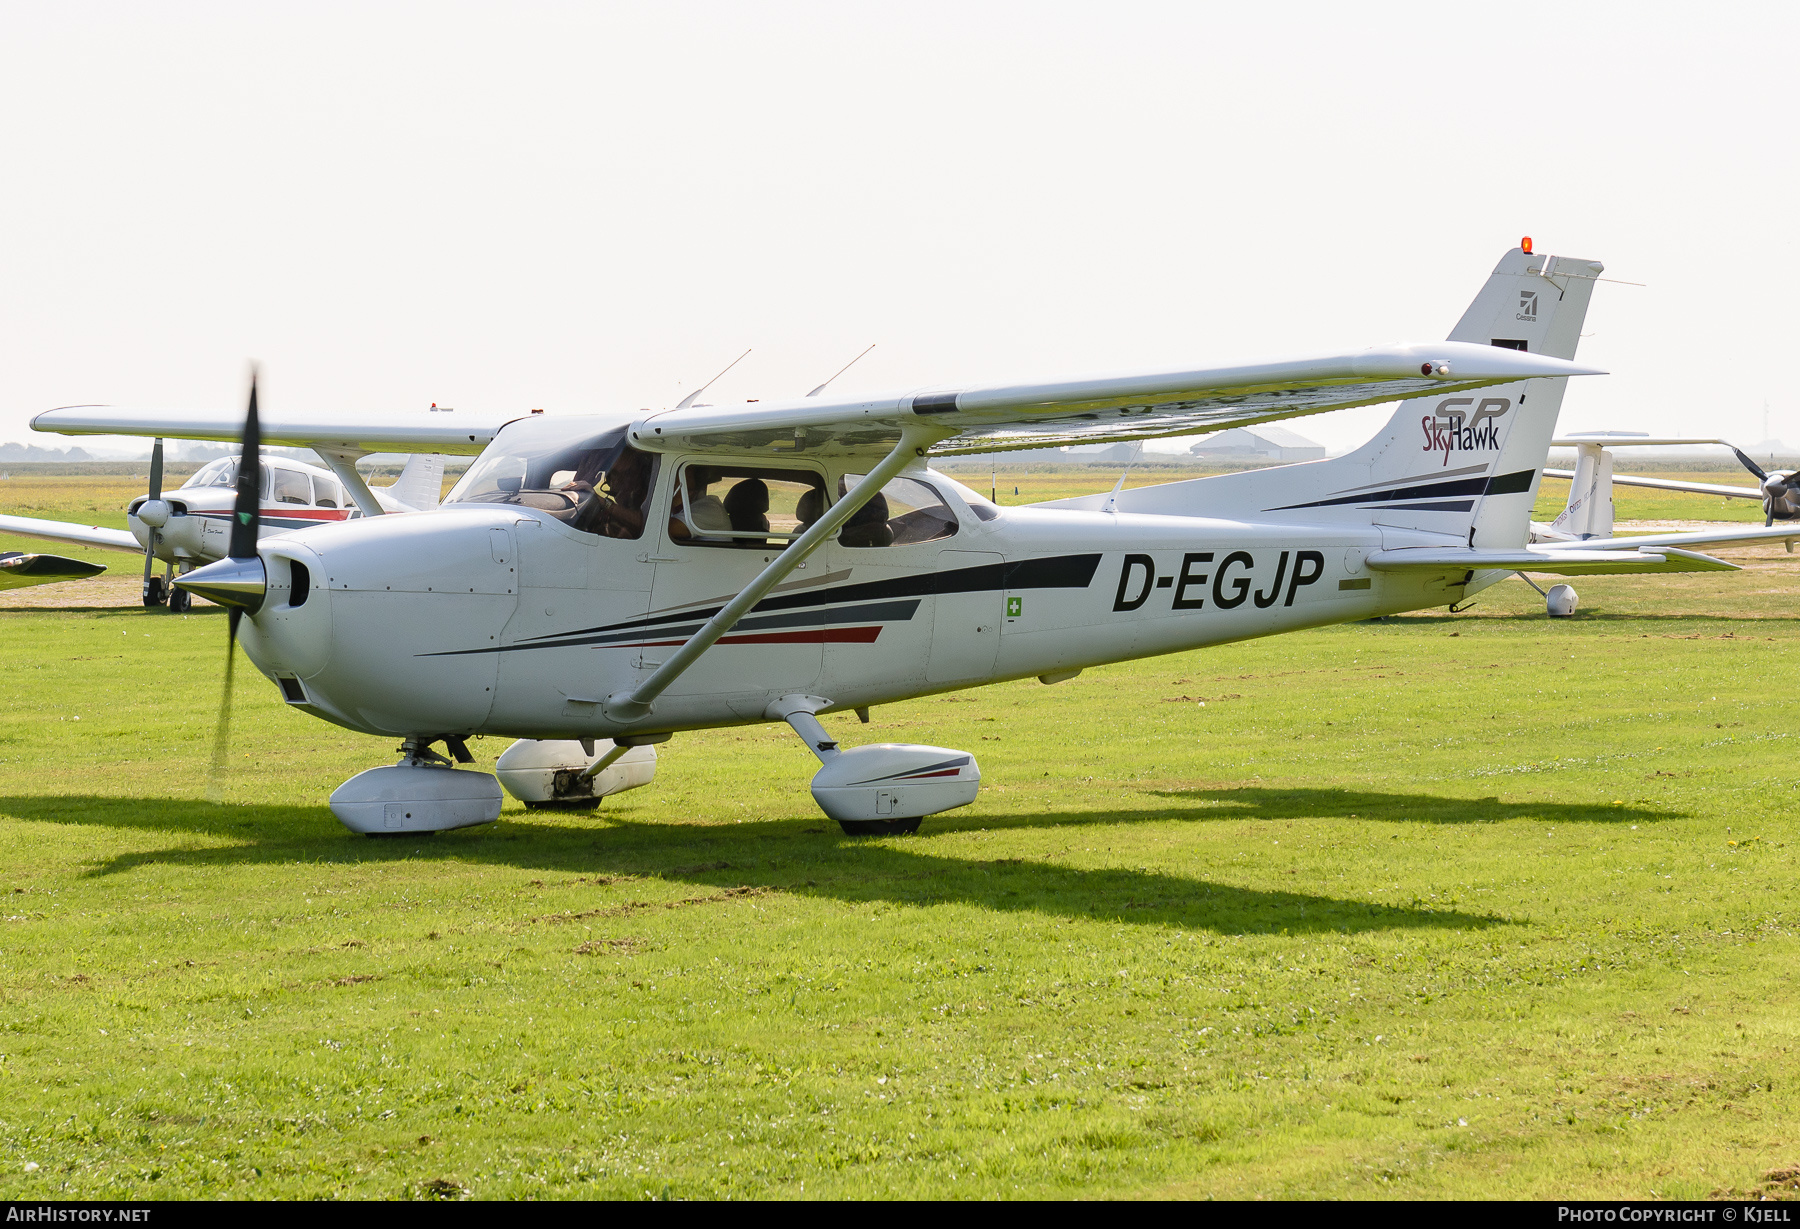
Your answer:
<point x="1463" y="467"/>
<point x="1589" y="512"/>
<point x="421" y="484"/>
<point x="1470" y="465"/>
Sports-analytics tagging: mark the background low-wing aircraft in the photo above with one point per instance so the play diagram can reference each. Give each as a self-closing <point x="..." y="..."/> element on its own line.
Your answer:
<point x="1587" y="516"/>
<point x="626" y="578"/>
<point x="191" y="526"/>
<point x="1590" y="496"/>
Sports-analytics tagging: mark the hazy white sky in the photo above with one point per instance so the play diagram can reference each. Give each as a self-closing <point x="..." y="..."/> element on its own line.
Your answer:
<point x="502" y="206"/>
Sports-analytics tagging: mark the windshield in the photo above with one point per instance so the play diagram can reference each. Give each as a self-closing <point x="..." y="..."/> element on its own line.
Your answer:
<point x="223" y="472"/>
<point x="595" y="483"/>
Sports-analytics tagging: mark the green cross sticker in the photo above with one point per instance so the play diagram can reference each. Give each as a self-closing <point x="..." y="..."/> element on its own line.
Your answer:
<point x="1015" y="606"/>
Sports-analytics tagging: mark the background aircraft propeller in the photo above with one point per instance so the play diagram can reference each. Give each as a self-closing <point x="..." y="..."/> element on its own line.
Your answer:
<point x="153" y="592"/>
<point x="1780" y="492"/>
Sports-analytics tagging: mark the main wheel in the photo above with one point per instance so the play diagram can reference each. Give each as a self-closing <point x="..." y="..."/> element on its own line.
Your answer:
<point x="180" y="601"/>
<point x="564" y="804"/>
<point x="879" y="827"/>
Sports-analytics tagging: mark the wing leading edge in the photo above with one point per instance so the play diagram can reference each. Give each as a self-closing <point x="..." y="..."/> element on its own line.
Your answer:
<point x="68" y="531"/>
<point x="447" y="431"/>
<point x="1106" y="409"/>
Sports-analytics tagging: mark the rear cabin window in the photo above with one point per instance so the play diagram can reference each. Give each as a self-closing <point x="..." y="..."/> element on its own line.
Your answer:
<point x="744" y="505"/>
<point x="290" y="486"/>
<point x="904" y="512"/>
<point x="326" y="493"/>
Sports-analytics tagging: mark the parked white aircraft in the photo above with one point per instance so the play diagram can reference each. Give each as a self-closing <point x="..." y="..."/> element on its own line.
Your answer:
<point x="190" y="528"/>
<point x="1589" y="512"/>
<point x="628" y="577"/>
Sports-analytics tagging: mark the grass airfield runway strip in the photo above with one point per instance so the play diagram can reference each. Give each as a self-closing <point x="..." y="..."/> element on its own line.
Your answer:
<point x="1477" y="905"/>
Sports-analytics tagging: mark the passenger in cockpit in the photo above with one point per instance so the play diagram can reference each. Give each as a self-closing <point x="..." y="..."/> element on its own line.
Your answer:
<point x="868" y="525"/>
<point x="811" y="507"/>
<point x="704" y="511"/>
<point x="747" y="503"/>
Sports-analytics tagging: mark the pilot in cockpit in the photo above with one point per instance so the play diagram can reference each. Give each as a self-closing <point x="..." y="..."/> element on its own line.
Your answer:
<point x="616" y="508"/>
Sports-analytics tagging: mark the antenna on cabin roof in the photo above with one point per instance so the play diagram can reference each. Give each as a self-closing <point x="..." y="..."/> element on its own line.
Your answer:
<point x="689" y="399"/>
<point x="840" y="371"/>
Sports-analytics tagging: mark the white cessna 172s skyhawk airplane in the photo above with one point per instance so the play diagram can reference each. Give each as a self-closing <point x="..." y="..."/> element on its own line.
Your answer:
<point x="628" y="577"/>
<point x="192" y="526"/>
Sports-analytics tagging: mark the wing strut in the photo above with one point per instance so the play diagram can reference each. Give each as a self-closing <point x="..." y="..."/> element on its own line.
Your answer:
<point x="635" y="704"/>
<point x="343" y="463"/>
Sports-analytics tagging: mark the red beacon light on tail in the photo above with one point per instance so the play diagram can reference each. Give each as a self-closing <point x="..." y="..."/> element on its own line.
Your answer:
<point x="1525" y="245"/>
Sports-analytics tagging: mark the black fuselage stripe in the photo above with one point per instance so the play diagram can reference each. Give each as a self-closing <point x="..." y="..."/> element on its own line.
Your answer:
<point x="1059" y="572"/>
<point x="1504" y="484"/>
<point x="875" y="612"/>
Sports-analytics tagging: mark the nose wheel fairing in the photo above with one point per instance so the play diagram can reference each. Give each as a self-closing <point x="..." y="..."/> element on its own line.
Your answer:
<point x="415" y="796"/>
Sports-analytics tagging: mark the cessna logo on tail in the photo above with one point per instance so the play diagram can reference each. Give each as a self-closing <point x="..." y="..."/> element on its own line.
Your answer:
<point x="1454" y="429"/>
<point x="1527" y="305"/>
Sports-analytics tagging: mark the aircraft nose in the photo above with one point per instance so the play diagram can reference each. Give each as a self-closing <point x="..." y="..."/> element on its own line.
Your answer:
<point x="243" y="583"/>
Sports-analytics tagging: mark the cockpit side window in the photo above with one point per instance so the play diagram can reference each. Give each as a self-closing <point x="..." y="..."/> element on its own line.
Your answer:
<point x="744" y="505"/>
<point x="599" y="485"/>
<point x="905" y="511"/>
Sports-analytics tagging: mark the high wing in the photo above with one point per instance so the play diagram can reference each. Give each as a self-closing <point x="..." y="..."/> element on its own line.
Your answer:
<point x="1106" y="409"/>
<point x="1579" y="560"/>
<point x="18" y="571"/>
<point x="445" y="431"/>
<point x="68" y="531"/>
<point x="1665" y="484"/>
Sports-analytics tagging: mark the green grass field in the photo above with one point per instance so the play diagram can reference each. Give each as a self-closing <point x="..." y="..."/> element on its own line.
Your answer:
<point x="1442" y="906"/>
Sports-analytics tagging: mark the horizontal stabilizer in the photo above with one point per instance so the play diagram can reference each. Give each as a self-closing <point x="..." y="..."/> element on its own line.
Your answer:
<point x="69" y="531"/>
<point x="1550" y="560"/>
<point x="19" y="571"/>
<point x="1749" y="535"/>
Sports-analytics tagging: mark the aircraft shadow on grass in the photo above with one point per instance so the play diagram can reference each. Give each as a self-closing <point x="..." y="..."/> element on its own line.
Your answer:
<point x="1595" y="615"/>
<point x="1249" y="803"/>
<point x="800" y="858"/>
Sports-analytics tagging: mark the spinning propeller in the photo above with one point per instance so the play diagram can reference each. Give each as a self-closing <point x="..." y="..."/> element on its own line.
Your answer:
<point x="1780" y="492"/>
<point x="155" y="514"/>
<point x="238" y="582"/>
